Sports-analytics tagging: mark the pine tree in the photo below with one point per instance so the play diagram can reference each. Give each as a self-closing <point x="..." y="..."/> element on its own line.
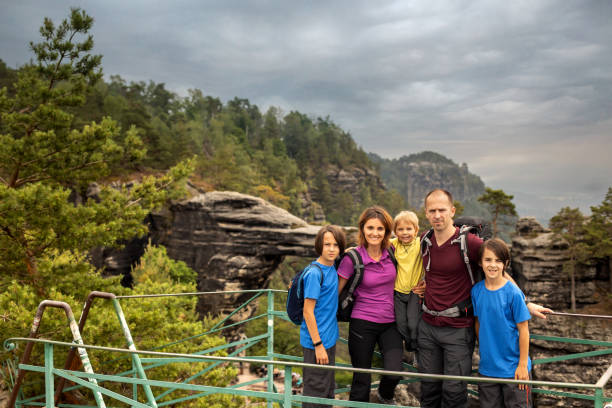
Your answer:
<point x="568" y="225"/>
<point x="499" y="203"/>
<point x="599" y="231"/>
<point x="44" y="159"/>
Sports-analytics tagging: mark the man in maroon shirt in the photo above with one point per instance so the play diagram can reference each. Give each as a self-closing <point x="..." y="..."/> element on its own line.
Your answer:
<point x="446" y="332"/>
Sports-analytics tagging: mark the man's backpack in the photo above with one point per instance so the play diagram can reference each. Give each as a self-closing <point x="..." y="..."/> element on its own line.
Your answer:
<point x="346" y="299"/>
<point x="295" y="295"/>
<point x="474" y="225"/>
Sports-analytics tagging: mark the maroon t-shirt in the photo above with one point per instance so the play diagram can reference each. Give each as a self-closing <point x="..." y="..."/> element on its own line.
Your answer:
<point x="448" y="282"/>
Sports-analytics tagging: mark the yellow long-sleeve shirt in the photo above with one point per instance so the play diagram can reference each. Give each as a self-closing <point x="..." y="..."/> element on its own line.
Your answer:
<point x="409" y="264"/>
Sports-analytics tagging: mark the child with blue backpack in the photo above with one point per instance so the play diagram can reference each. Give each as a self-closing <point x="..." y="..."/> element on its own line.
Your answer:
<point x="502" y="329"/>
<point x="319" y="329"/>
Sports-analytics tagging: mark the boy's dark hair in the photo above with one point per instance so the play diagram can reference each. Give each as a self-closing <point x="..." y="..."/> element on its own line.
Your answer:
<point x="498" y="247"/>
<point x="338" y="234"/>
<point x="383" y="216"/>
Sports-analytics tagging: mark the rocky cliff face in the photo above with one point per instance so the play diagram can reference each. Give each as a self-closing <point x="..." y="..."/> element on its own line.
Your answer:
<point x="537" y="264"/>
<point x="417" y="174"/>
<point x="233" y="241"/>
<point x="352" y="180"/>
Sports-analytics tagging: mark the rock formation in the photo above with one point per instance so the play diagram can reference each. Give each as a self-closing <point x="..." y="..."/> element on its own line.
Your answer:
<point x="417" y="174"/>
<point x="352" y="180"/>
<point x="537" y="264"/>
<point x="233" y="241"/>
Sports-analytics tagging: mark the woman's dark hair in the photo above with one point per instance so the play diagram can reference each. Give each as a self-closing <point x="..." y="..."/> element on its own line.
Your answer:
<point x="338" y="234"/>
<point x="498" y="247"/>
<point x="380" y="214"/>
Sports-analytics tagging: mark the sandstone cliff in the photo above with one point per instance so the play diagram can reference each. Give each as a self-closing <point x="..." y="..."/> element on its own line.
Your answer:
<point x="233" y="241"/>
<point x="417" y="174"/>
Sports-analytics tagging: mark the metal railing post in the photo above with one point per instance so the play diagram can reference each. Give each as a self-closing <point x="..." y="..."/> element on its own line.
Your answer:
<point x="135" y="357"/>
<point x="599" y="398"/>
<point x="288" y="387"/>
<point x="270" y="343"/>
<point x="76" y="335"/>
<point x="134" y="386"/>
<point x="49" y="388"/>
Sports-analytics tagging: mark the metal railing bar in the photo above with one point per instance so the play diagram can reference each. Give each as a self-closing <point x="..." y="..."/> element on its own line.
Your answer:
<point x="236" y="310"/>
<point x="588" y="316"/>
<point x="202" y="372"/>
<point x="204" y="394"/>
<point x="97" y="388"/>
<point x="294" y="364"/>
<point x="76" y="334"/>
<point x="572" y="356"/>
<point x="563" y="394"/>
<point x="164" y="384"/>
<point x="81" y="324"/>
<point x="189" y="338"/>
<point x="571" y="340"/>
<point x="227" y="292"/>
<point x="605" y="378"/>
<point x="158" y="362"/>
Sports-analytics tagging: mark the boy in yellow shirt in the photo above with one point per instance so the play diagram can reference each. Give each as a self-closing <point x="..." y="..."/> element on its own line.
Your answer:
<point x="409" y="284"/>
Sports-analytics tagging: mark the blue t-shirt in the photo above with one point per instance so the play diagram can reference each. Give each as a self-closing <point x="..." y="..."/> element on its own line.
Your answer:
<point x="498" y="312"/>
<point x="326" y="295"/>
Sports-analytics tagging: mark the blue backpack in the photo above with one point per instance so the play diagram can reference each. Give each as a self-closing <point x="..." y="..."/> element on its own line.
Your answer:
<point x="295" y="295"/>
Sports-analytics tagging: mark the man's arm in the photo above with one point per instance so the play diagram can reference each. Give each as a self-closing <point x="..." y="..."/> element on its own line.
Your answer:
<point x="534" y="309"/>
<point x="538" y="310"/>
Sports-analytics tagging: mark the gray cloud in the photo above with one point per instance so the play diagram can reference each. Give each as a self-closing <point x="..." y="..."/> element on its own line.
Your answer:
<point x="518" y="90"/>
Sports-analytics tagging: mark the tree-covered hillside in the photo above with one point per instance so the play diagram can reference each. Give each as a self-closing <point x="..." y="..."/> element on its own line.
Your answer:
<point x="297" y="162"/>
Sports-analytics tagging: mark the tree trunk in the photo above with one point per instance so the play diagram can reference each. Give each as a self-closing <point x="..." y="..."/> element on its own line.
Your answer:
<point x="573" y="288"/>
<point x="32" y="266"/>
<point x="495" y="226"/>
<point x="610" y="273"/>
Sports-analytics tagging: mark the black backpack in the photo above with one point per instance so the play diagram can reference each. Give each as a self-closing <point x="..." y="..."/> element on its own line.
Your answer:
<point x="346" y="300"/>
<point x="295" y="295"/>
<point x="473" y="225"/>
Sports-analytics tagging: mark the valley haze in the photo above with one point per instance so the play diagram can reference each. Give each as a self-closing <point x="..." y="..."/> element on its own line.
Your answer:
<point x="521" y="92"/>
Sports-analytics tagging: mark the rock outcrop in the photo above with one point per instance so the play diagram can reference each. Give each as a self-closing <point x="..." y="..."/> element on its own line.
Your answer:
<point x="417" y="174"/>
<point x="537" y="264"/>
<point x="233" y="241"/>
<point x="352" y="180"/>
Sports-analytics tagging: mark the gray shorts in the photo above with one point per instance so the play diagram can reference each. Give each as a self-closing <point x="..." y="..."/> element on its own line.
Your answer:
<point x="317" y="382"/>
<point x="503" y="395"/>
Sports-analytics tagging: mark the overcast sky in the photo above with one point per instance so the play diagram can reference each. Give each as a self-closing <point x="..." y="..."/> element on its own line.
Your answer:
<point x="521" y="91"/>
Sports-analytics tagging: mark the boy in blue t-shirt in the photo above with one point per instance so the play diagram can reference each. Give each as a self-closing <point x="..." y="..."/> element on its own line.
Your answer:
<point x="319" y="330"/>
<point x="502" y="330"/>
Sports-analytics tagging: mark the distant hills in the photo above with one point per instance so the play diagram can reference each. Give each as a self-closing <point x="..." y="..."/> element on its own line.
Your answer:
<point x="413" y="176"/>
<point x="307" y="165"/>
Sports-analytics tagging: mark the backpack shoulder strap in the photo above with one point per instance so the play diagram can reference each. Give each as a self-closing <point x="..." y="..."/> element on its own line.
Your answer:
<point x="425" y="245"/>
<point x="391" y="251"/>
<point x="355" y="257"/>
<point x="318" y="267"/>
<point x="462" y="240"/>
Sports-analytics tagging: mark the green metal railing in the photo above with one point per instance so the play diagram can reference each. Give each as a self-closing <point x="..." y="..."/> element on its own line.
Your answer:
<point x="142" y="361"/>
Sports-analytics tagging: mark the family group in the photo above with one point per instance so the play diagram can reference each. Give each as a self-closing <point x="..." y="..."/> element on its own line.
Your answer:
<point x="416" y="295"/>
